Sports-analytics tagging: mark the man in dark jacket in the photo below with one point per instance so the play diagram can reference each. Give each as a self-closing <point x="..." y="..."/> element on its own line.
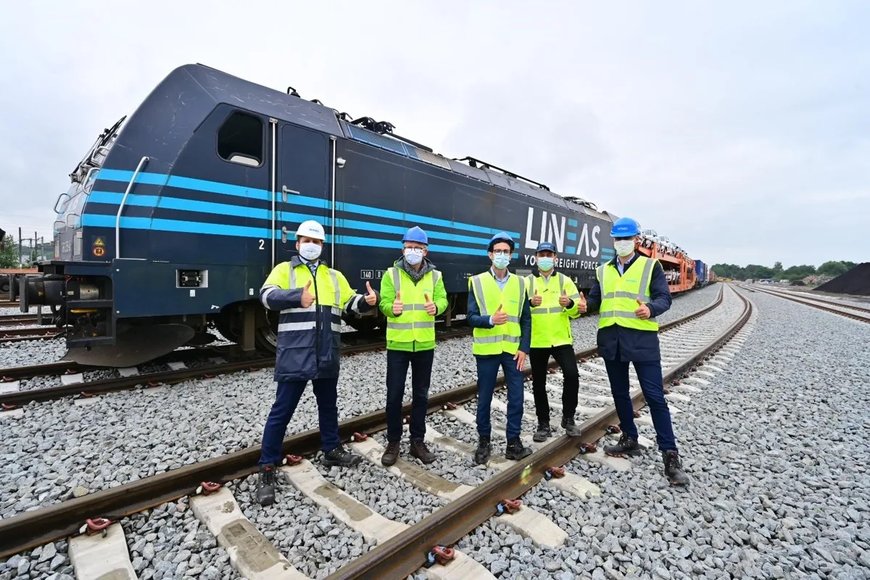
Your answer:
<point x="310" y="297"/>
<point x="630" y="291"/>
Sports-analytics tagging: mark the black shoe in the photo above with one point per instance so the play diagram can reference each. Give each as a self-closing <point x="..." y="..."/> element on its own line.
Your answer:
<point x="674" y="468"/>
<point x="481" y="454"/>
<point x="542" y="433"/>
<point x="266" y="485"/>
<point x="570" y="427"/>
<point x="626" y="446"/>
<point x="515" y="450"/>
<point x="341" y="457"/>
<point x="421" y="452"/>
<point x="391" y="454"/>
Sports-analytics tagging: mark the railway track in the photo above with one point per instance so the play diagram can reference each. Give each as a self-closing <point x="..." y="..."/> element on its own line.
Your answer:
<point x="22" y="334"/>
<point x="849" y="311"/>
<point x="46" y="524"/>
<point x="75" y="385"/>
<point x="20" y="320"/>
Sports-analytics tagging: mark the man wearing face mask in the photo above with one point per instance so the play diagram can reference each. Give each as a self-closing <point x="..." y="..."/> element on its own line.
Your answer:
<point x="412" y="295"/>
<point x="498" y="310"/>
<point x="310" y="297"/>
<point x="554" y="299"/>
<point x="630" y="291"/>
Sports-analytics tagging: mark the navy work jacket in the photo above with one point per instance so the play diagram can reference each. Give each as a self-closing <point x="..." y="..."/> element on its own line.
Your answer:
<point x="629" y="344"/>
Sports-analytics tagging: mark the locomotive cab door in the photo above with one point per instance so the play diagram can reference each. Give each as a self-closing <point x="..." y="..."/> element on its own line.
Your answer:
<point x="302" y="188"/>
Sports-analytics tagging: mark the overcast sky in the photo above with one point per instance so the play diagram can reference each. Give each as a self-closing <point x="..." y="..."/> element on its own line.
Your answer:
<point x="741" y="130"/>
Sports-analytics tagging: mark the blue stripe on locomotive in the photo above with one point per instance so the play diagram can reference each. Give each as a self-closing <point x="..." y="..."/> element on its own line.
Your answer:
<point x="195" y="226"/>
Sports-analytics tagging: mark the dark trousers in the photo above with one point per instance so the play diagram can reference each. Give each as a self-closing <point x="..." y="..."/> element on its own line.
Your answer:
<point x="286" y="398"/>
<point x="487" y="372"/>
<point x="421" y="374"/>
<point x="564" y="357"/>
<point x="649" y="373"/>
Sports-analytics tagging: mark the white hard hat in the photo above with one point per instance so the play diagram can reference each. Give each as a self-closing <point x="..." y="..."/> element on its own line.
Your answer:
<point x="310" y="229"/>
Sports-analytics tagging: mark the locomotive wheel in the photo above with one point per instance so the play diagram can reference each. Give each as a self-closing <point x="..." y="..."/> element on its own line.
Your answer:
<point x="266" y="333"/>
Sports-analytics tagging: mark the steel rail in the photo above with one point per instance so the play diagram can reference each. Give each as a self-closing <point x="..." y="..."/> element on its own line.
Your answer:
<point x="21" y="319"/>
<point x="406" y="552"/>
<point x="20" y="334"/>
<point x="809" y="302"/>
<point x="37" y="527"/>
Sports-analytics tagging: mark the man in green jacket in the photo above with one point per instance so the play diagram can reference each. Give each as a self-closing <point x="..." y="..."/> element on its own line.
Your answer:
<point x="412" y="295"/>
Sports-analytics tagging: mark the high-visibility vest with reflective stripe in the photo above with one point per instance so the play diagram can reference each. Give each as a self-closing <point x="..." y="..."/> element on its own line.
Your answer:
<point x="551" y="325"/>
<point x="501" y="337"/>
<point x="619" y="294"/>
<point x="327" y="296"/>
<point x="414" y="324"/>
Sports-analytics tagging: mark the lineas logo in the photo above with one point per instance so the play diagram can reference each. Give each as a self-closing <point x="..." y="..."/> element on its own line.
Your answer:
<point x="567" y="234"/>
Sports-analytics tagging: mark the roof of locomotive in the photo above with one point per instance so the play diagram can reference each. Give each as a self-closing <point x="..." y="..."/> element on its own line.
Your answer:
<point x="197" y="80"/>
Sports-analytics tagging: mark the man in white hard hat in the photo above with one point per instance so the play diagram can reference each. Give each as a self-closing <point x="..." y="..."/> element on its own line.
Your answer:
<point x="310" y="297"/>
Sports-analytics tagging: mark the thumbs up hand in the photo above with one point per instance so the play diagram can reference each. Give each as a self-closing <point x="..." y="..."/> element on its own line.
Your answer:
<point x="500" y="316"/>
<point x="536" y="299"/>
<point x="398" y="307"/>
<point x="430" y="307"/>
<point x="371" y="295"/>
<point x="564" y="301"/>
<point x="307" y="298"/>
<point x="642" y="311"/>
<point x="581" y="303"/>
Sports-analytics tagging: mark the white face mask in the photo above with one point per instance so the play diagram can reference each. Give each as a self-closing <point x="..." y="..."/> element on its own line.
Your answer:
<point x="413" y="255"/>
<point x="310" y="251"/>
<point x="623" y="247"/>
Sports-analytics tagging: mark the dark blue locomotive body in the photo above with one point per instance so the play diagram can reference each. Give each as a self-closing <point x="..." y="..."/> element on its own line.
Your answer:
<point x="174" y="220"/>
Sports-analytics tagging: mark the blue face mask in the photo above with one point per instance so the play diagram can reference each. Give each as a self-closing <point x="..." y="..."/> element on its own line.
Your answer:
<point x="501" y="261"/>
<point x="545" y="264"/>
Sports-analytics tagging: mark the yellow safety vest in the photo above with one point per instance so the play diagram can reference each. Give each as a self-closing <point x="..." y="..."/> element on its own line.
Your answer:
<point x="414" y="324"/>
<point x="501" y="337"/>
<point x="551" y="325"/>
<point x="619" y="294"/>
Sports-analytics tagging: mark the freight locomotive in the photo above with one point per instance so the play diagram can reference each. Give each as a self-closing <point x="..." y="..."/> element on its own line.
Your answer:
<point x="175" y="217"/>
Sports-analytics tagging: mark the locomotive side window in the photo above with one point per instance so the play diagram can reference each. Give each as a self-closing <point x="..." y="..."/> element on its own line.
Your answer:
<point x="240" y="139"/>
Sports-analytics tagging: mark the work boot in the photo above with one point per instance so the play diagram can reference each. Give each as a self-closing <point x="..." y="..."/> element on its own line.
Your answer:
<point x="626" y="446"/>
<point x="570" y="427"/>
<point x="515" y="450"/>
<point x="266" y="485"/>
<point x="391" y="454"/>
<point x="481" y="454"/>
<point x="341" y="457"/>
<point x="674" y="468"/>
<point x="421" y="452"/>
<point x="542" y="433"/>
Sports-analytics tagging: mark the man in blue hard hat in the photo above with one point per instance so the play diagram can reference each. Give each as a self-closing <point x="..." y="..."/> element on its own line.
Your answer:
<point x="412" y="295"/>
<point x="554" y="299"/>
<point x="630" y="291"/>
<point x="498" y="310"/>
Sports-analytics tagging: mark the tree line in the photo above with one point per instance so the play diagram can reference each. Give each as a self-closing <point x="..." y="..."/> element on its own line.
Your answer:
<point x="757" y="272"/>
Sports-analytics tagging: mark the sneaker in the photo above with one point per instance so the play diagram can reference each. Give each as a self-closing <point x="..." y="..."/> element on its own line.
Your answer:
<point x="481" y="454"/>
<point x="674" y="468"/>
<point x="266" y="485"/>
<point x="340" y="457"/>
<point x="626" y="446"/>
<point x="391" y="454"/>
<point x="421" y="452"/>
<point x="542" y="433"/>
<point x="570" y="427"/>
<point x="515" y="450"/>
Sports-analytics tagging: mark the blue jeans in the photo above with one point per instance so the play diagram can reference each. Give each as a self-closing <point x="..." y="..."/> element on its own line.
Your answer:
<point x="421" y="374"/>
<point x="487" y="372"/>
<point x="649" y="373"/>
<point x="286" y="398"/>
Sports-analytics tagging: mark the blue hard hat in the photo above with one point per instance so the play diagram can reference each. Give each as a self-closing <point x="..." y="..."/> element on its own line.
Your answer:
<point x="624" y="228"/>
<point x="546" y="247"/>
<point x="416" y="234"/>
<point x="500" y="237"/>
